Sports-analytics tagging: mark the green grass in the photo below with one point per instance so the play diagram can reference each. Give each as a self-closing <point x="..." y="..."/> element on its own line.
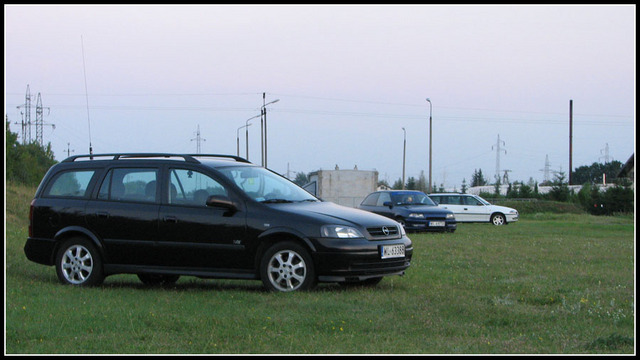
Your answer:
<point x="549" y="284"/>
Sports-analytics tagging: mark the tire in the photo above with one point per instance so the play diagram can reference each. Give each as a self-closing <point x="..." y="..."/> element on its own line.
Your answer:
<point x="287" y="266"/>
<point x="158" y="279"/>
<point x="78" y="263"/>
<point x="498" y="219"/>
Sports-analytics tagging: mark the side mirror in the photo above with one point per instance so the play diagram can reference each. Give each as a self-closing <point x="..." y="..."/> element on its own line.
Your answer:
<point x="388" y="203"/>
<point x="221" y="202"/>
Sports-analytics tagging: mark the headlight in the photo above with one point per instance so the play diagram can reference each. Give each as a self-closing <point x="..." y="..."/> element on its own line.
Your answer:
<point x="416" y="216"/>
<point x="451" y="216"/>
<point x="339" y="231"/>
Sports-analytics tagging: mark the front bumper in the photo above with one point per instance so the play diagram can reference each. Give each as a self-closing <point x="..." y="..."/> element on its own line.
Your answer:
<point x="340" y="260"/>
<point x="426" y="225"/>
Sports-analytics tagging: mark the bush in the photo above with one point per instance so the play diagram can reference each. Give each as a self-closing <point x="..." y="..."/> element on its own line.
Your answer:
<point x="617" y="199"/>
<point x="26" y="163"/>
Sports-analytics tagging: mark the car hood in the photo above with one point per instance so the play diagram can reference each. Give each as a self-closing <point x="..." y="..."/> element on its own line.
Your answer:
<point x="329" y="213"/>
<point x="502" y="209"/>
<point x="424" y="209"/>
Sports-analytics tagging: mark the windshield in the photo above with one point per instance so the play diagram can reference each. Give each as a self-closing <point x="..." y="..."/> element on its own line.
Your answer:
<point x="413" y="198"/>
<point x="263" y="185"/>
<point x="482" y="200"/>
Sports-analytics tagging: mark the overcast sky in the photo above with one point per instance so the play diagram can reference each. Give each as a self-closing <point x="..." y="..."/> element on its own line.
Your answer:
<point x="348" y="79"/>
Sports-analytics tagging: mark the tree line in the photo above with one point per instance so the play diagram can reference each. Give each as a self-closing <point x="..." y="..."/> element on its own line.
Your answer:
<point x="26" y="163"/>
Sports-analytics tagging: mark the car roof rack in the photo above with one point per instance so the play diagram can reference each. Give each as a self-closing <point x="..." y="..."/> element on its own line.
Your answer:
<point x="127" y="156"/>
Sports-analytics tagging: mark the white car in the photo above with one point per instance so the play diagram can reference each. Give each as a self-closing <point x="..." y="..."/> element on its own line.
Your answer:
<point x="473" y="208"/>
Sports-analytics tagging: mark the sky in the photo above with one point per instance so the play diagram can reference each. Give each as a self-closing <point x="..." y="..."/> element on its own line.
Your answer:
<point x="347" y="80"/>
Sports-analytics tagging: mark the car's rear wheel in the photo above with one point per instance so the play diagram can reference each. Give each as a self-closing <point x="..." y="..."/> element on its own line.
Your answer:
<point x="498" y="219"/>
<point x="287" y="266"/>
<point x="78" y="263"/>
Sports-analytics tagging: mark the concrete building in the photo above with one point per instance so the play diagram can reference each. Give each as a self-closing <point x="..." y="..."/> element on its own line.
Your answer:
<point x="343" y="187"/>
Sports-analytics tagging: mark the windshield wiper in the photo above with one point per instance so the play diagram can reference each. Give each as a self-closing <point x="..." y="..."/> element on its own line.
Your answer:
<point x="276" y="201"/>
<point x="310" y="200"/>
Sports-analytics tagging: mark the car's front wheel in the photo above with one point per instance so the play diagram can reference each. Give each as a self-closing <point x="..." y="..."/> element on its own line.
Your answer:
<point x="498" y="219"/>
<point x="287" y="266"/>
<point x="78" y="263"/>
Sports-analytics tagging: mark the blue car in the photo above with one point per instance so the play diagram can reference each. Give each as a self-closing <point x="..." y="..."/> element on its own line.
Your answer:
<point x="412" y="209"/>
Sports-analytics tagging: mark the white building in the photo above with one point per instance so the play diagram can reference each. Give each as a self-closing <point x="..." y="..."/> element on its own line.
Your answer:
<point x="343" y="187"/>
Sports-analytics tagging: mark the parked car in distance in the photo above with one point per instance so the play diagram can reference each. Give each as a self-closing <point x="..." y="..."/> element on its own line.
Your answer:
<point x="412" y="209"/>
<point x="162" y="216"/>
<point x="473" y="208"/>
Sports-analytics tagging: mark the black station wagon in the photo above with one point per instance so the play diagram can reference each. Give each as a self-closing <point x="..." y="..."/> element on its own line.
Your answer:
<point x="161" y="216"/>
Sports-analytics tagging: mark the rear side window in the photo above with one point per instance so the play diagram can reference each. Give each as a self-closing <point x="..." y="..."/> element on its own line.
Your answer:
<point x="72" y="184"/>
<point x="130" y="184"/>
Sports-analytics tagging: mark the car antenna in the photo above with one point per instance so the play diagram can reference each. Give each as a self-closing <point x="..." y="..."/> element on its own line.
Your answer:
<point x="84" y="68"/>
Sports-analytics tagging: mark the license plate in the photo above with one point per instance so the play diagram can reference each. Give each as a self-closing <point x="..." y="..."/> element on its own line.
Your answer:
<point x="392" y="251"/>
<point x="436" y="223"/>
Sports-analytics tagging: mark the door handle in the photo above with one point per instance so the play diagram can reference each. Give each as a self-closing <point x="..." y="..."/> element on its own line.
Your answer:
<point x="170" y="219"/>
<point x="102" y="214"/>
<point x="466" y="209"/>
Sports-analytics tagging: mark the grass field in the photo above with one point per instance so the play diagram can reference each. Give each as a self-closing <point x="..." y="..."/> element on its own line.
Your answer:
<point x="549" y="284"/>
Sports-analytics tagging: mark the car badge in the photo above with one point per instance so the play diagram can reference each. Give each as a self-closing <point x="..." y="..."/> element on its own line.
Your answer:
<point x="385" y="230"/>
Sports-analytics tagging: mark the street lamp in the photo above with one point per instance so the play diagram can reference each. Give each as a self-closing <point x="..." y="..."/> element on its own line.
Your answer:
<point x="430" y="145"/>
<point x="247" y="133"/>
<point x="263" y="112"/>
<point x="238" y="137"/>
<point x="404" y="156"/>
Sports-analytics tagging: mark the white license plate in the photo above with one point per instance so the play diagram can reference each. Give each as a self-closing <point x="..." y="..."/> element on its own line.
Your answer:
<point x="392" y="251"/>
<point x="436" y="223"/>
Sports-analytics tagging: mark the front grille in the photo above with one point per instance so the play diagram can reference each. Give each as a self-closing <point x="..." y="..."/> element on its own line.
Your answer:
<point x="384" y="232"/>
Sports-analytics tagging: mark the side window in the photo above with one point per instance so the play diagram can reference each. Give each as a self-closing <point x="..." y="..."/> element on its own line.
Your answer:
<point x="70" y="184"/>
<point x="436" y="199"/>
<point x="444" y="200"/>
<point x="371" y="200"/>
<point x="468" y="200"/>
<point x="454" y="200"/>
<point x="384" y="197"/>
<point x="130" y="184"/>
<point x="188" y="187"/>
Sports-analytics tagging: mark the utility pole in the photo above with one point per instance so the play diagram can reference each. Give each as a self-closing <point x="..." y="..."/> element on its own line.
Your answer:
<point x="69" y="151"/>
<point x="404" y="155"/>
<point x="570" y="138"/>
<point x="26" y="118"/>
<point x="546" y="169"/>
<point x="430" y="140"/>
<point x="606" y="153"/>
<point x="198" y="139"/>
<point x="498" y="151"/>
<point x="39" y="120"/>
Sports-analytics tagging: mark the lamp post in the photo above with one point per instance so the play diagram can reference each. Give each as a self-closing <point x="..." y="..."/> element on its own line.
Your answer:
<point x="238" y="137"/>
<point x="263" y="112"/>
<point x="247" y="133"/>
<point x="404" y="156"/>
<point x="430" y="139"/>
